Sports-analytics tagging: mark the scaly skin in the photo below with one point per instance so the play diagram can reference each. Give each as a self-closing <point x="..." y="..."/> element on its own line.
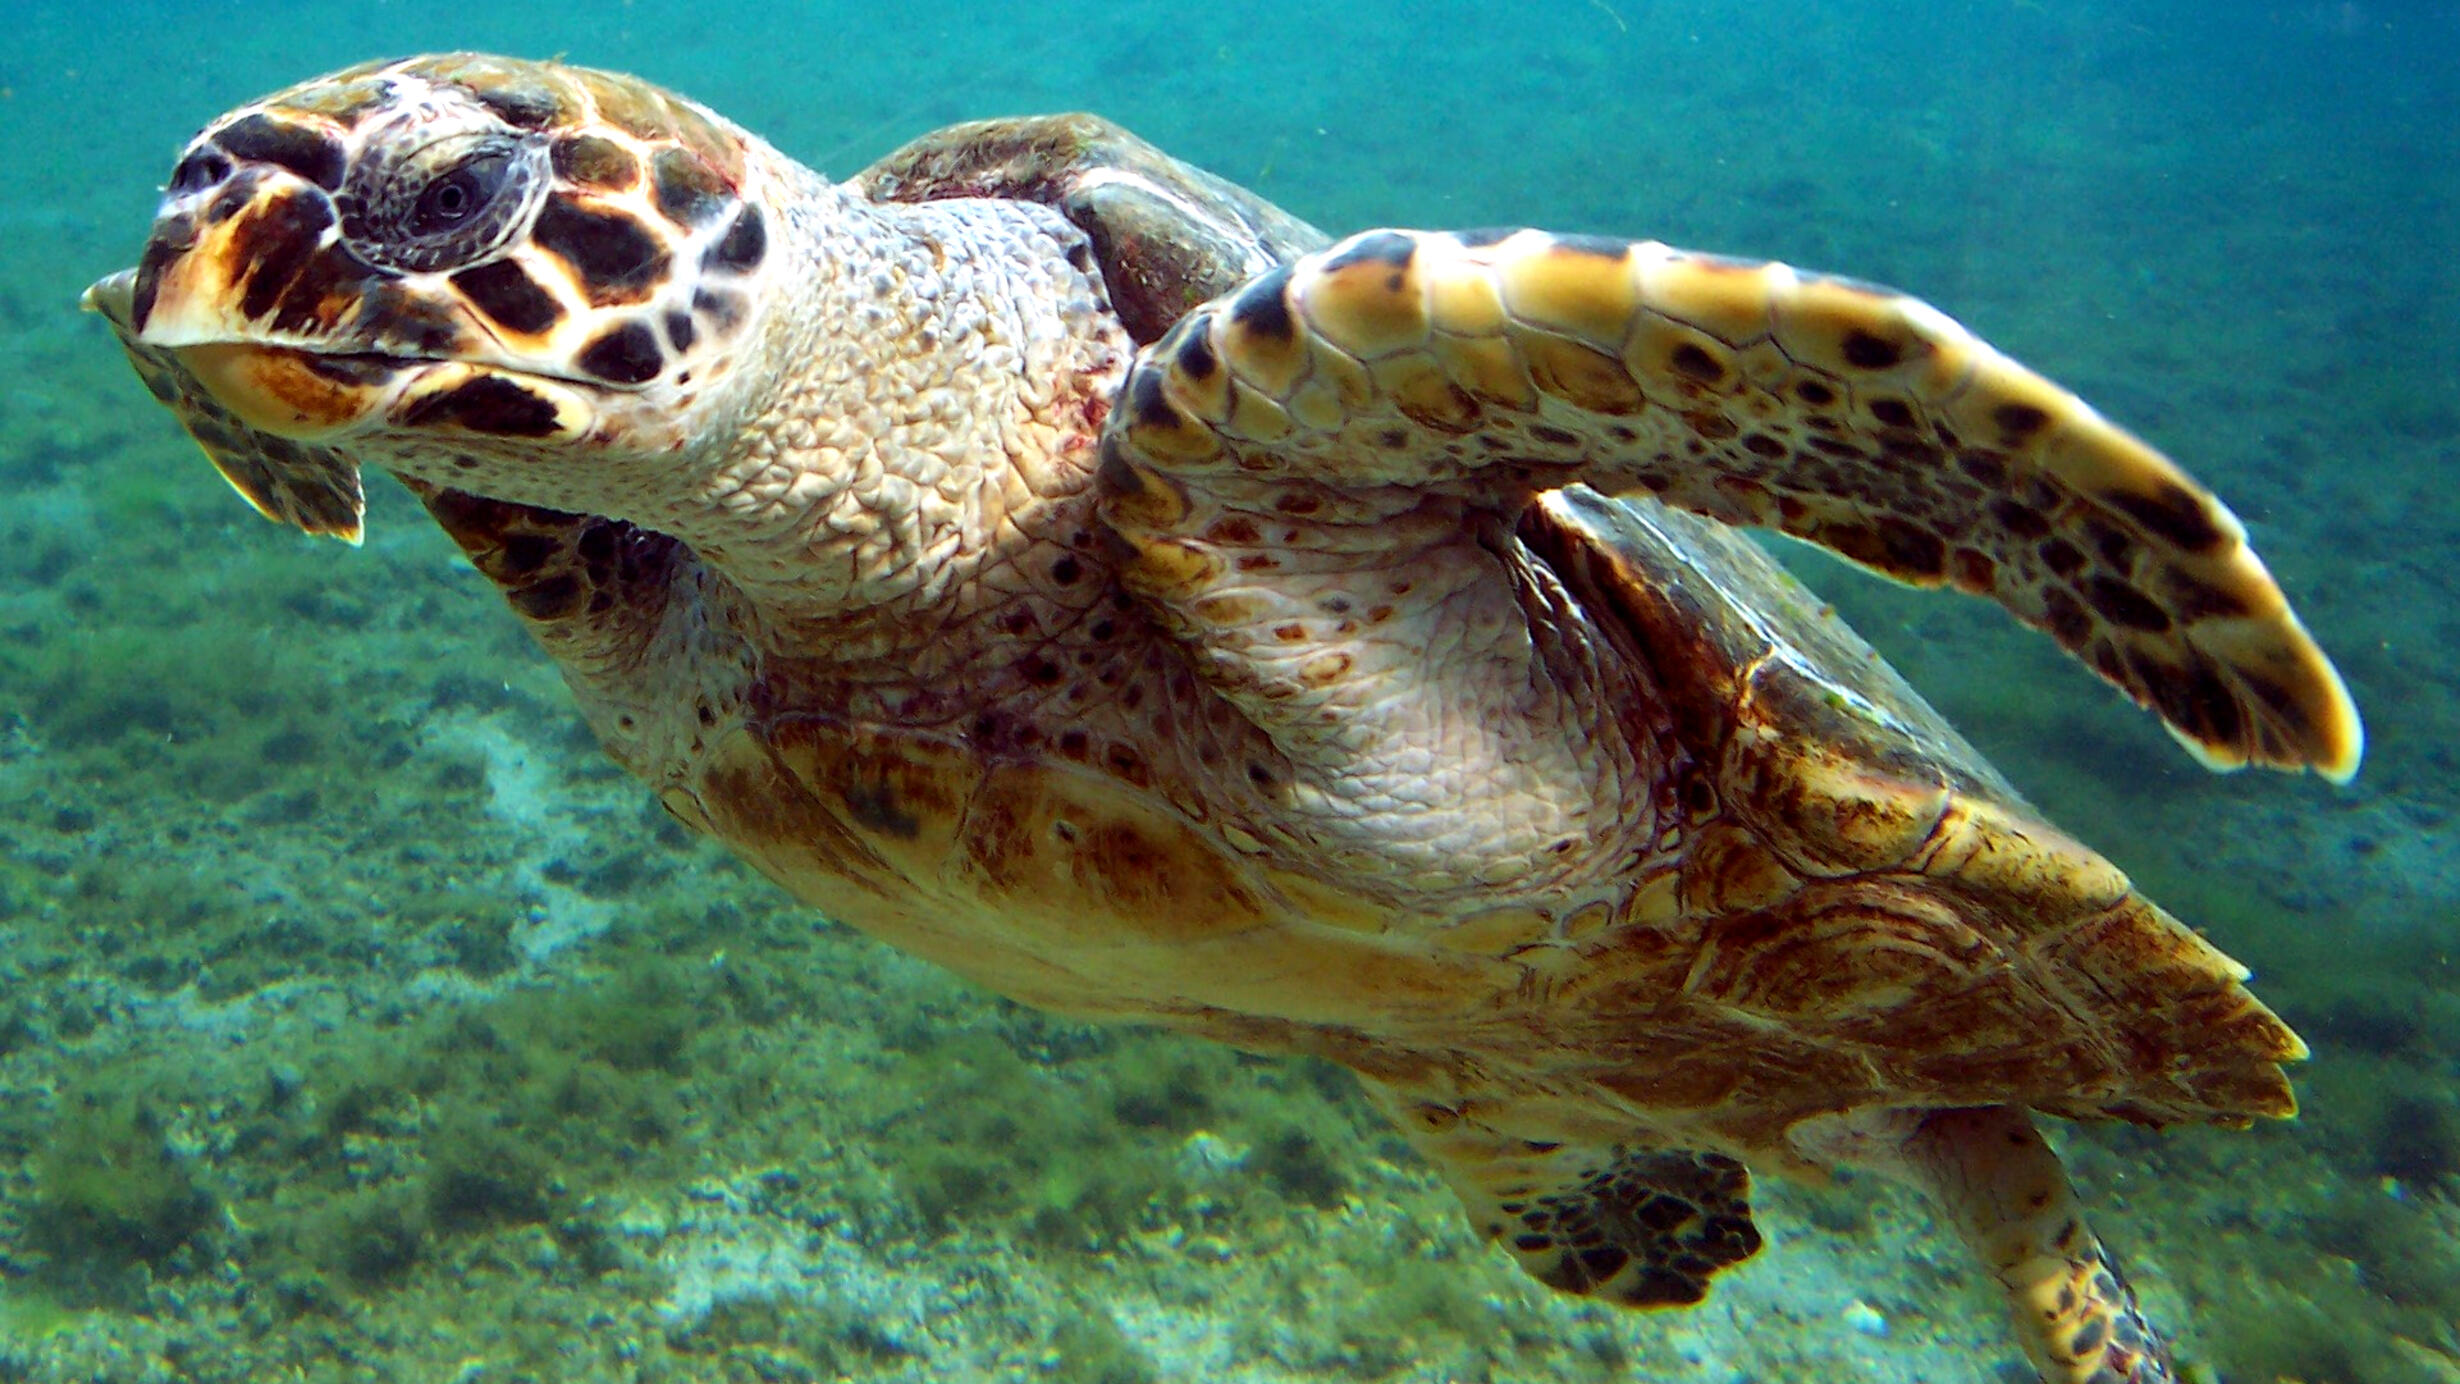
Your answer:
<point x="1305" y="699"/>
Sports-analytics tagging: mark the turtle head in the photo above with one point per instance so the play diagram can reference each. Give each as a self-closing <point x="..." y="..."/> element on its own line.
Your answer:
<point x="445" y="265"/>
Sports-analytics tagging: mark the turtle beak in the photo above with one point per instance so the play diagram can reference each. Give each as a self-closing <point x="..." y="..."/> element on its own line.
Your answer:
<point x="246" y="282"/>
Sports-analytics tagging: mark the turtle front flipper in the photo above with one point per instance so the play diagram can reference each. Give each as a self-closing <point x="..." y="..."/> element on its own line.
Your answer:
<point x="1491" y="367"/>
<point x="2007" y="1193"/>
<point x="626" y="612"/>
<point x="1631" y="1224"/>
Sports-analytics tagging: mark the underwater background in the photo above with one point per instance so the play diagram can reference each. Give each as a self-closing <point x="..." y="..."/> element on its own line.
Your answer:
<point x="358" y="1021"/>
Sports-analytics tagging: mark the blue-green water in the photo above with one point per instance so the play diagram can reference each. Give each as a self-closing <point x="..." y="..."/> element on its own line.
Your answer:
<point x="358" y="1023"/>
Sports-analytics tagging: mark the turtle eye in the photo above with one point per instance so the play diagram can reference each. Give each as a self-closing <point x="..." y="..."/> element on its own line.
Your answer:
<point x="458" y="195"/>
<point x="441" y="206"/>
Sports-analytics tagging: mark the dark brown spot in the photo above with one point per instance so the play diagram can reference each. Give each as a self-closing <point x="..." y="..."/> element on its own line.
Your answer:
<point x="201" y="169"/>
<point x="875" y="806"/>
<point x="1893" y="545"/>
<point x="414" y="324"/>
<point x="1911" y="450"/>
<point x="2019" y="521"/>
<point x="1149" y="406"/>
<point x="1391" y="249"/>
<point x="552" y="599"/>
<point x="2107" y="661"/>
<point x="2172" y="512"/>
<point x="1116" y="476"/>
<point x="259" y="138"/>
<point x="1896" y="413"/>
<point x="595" y="162"/>
<point x="1815" y="393"/>
<point x="1603" y="1262"/>
<point x="1693" y="362"/>
<point x="2112" y="546"/>
<point x="1867" y="352"/>
<point x="1262" y="309"/>
<point x="1196" y="359"/>
<point x="1973" y="572"/>
<point x="689" y="191"/>
<point x="2196" y="600"/>
<point x="489" y="404"/>
<point x="680" y="333"/>
<point x="740" y="249"/>
<point x="1761" y="444"/>
<point x="2201" y="704"/>
<point x="2061" y="556"/>
<point x="1553" y="436"/>
<point x="1662" y="1288"/>
<point x="2018" y="421"/>
<point x="1126" y="763"/>
<point x="282" y="240"/>
<point x="1987" y="467"/>
<point x="506" y="293"/>
<point x="2121" y="604"/>
<point x="520" y="104"/>
<point x="1066" y="570"/>
<point x="1603" y="247"/>
<point x="326" y="286"/>
<point x="627" y="354"/>
<point x="616" y="260"/>
<point x="174" y="237"/>
<point x="2065" y="617"/>
<point x="521" y="554"/>
<point x="723" y="310"/>
<point x="234" y="198"/>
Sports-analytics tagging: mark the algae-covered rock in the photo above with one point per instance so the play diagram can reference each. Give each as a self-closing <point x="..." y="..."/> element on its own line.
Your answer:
<point x="110" y="1190"/>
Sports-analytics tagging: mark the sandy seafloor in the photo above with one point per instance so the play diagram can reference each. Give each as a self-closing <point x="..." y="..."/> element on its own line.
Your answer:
<point x="358" y="1023"/>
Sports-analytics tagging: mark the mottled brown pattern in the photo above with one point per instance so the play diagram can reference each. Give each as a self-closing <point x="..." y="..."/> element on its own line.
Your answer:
<point x="1840" y="413"/>
<point x="1284" y="685"/>
<point x="1636" y="1227"/>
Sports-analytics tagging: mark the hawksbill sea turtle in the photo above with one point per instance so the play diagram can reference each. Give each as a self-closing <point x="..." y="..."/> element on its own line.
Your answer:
<point x="1066" y="566"/>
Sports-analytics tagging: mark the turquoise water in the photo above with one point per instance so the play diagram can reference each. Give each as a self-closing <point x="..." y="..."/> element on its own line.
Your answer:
<point x="357" y="1022"/>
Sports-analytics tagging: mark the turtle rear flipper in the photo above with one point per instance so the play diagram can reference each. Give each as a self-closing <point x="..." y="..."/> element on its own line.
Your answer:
<point x="2006" y="1192"/>
<point x="1631" y="1224"/>
<point x="1490" y="367"/>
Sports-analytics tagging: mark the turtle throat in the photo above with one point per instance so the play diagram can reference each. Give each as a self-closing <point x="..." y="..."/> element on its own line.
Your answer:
<point x="934" y="391"/>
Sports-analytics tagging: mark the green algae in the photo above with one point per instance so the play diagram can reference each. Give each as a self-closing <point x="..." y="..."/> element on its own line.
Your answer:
<point x="109" y="1191"/>
<point x="28" y="1314"/>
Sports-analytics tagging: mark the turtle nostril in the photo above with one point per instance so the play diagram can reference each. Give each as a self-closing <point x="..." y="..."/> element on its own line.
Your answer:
<point x="198" y="171"/>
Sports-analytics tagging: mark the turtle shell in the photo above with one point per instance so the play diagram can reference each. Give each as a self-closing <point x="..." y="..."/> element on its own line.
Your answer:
<point x="1167" y="235"/>
<point x="1864" y="912"/>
